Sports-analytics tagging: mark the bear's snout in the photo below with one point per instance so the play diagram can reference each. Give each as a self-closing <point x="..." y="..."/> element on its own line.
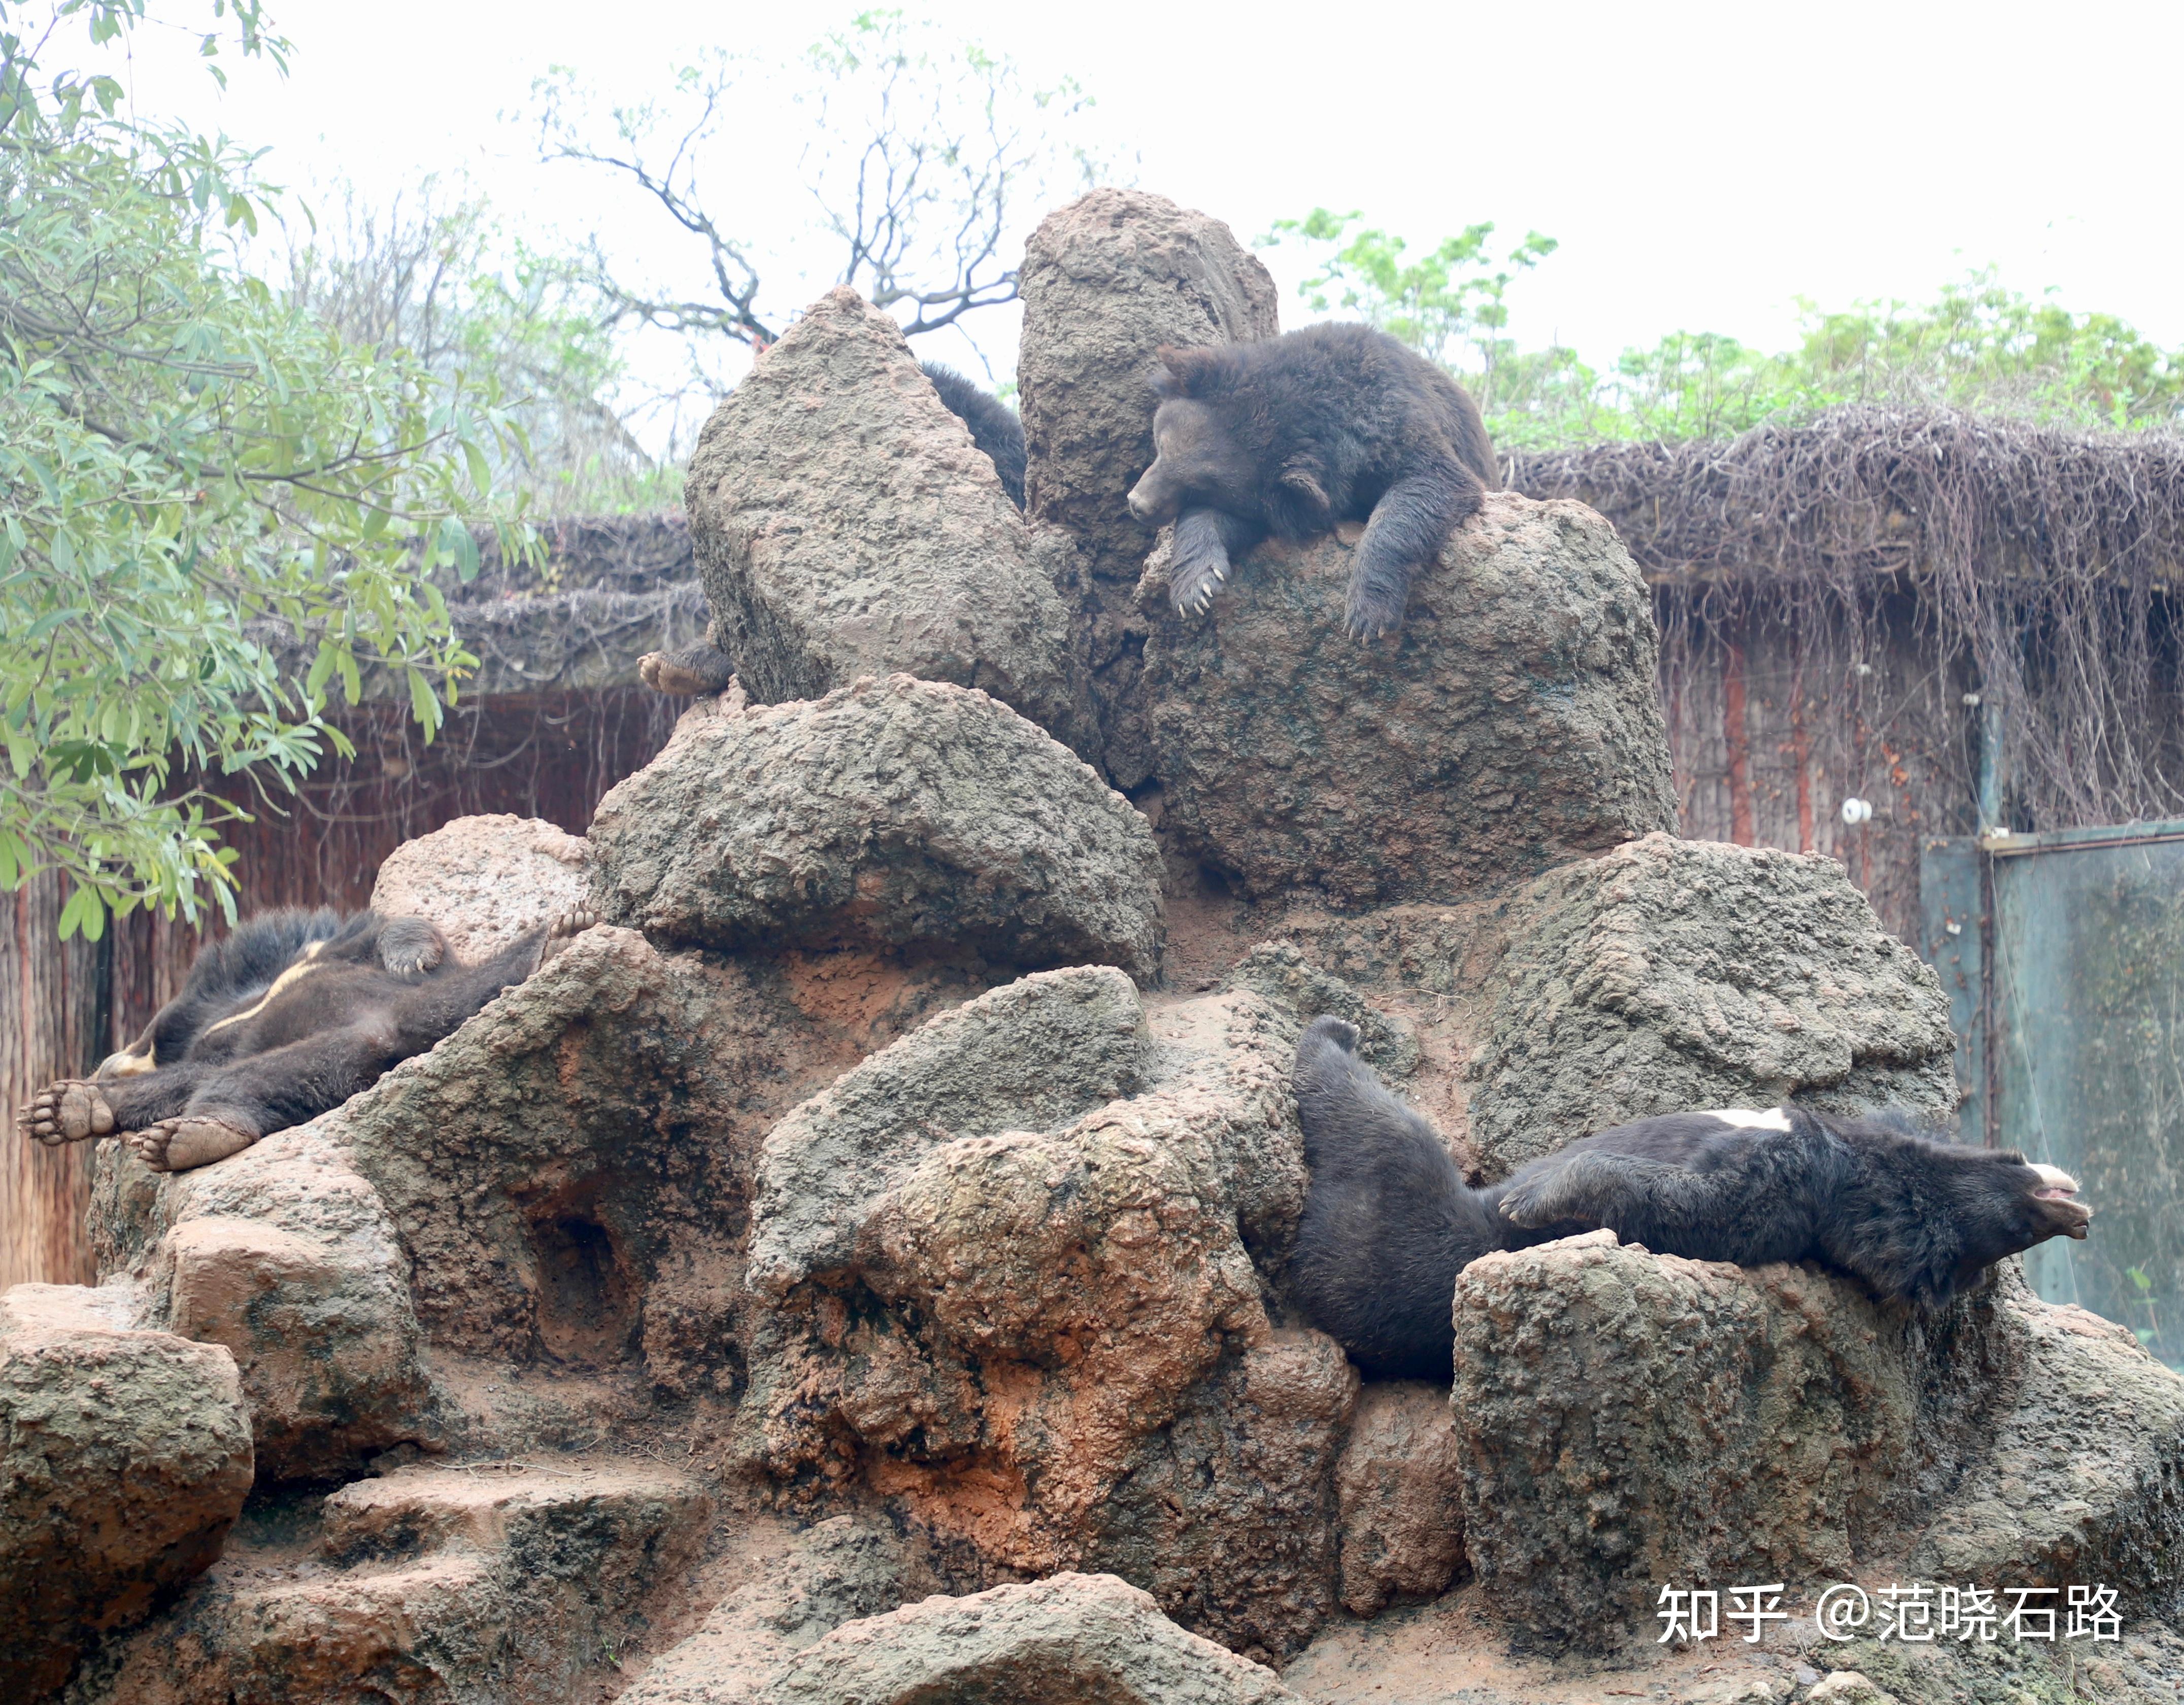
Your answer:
<point x="1141" y="503"/>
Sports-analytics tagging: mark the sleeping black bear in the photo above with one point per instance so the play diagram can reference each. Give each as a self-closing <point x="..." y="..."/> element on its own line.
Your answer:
<point x="1295" y="434"/>
<point x="1389" y="1224"/>
<point x="290" y="1016"/>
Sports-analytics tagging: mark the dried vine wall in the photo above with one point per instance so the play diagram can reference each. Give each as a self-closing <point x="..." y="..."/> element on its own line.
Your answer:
<point x="1907" y="560"/>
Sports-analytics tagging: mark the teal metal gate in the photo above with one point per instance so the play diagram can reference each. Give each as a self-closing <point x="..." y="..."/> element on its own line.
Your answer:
<point x="2063" y="957"/>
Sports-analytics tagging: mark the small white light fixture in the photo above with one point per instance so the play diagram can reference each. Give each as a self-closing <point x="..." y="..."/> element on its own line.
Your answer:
<point x="1855" y="811"/>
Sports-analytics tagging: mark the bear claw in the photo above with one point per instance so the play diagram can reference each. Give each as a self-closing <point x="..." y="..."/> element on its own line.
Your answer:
<point x="176" y="1145"/>
<point x="67" y="1111"/>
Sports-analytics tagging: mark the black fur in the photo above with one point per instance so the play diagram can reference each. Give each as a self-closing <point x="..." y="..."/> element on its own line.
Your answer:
<point x="995" y="427"/>
<point x="1292" y="435"/>
<point x="371" y="992"/>
<point x="1388" y="1222"/>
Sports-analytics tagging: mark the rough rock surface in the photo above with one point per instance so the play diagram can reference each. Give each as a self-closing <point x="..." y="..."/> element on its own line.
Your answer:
<point x="124" y="1457"/>
<point x="1627" y="1419"/>
<point x="1106" y="280"/>
<point x="428" y="1584"/>
<point x="845" y="525"/>
<point x="892" y="814"/>
<point x="1070" y="1636"/>
<point x="1039" y="1053"/>
<point x="2076" y="1475"/>
<point x="835" y="1571"/>
<point x="1400" y="1483"/>
<point x="1677" y="974"/>
<point x="1512" y="723"/>
<point x="485" y="881"/>
<point x="285" y="1254"/>
<point x="1046" y="1343"/>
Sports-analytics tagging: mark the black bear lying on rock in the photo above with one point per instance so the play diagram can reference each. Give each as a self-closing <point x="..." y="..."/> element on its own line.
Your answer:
<point x="286" y="1019"/>
<point x="1388" y="1222"/>
<point x="1290" y="436"/>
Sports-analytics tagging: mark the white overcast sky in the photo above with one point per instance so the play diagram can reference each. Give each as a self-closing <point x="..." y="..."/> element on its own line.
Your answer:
<point x="1702" y="166"/>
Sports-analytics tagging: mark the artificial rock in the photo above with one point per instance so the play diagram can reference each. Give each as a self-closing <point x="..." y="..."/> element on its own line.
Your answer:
<point x="1029" y="1310"/>
<point x="1626" y="1420"/>
<point x="485" y="881"/>
<point x="1670" y="975"/>
<point x="1399" y="1483"/>
<point x="893" y="813"/>
<point x="1511" y="725"/>
<point x="1106" y="280"/>
<point x="515" y="1585"/>
<point x="1070" y="1636"/>
<point x="124" y="1457"/>
<point x="845" y="525"/>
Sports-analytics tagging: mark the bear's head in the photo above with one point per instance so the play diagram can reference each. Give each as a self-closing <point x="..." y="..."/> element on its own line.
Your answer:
<point x="2002" y="1204"/>
<point x="1200" y="459"/>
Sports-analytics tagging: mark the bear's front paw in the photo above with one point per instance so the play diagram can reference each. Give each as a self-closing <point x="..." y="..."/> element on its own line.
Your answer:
<point x="1193" y="584"/>
<point x="1372" y="612"/>
<point x="68" y="1111"/>
<point x="1534" y="1203"/>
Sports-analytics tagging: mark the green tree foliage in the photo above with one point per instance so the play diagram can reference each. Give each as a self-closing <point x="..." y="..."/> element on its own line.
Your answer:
<point x="1451" y="304"/>
<point x="193" y="467"/>
<point x="1979" y="347"/>
<point x="432" y="277"/>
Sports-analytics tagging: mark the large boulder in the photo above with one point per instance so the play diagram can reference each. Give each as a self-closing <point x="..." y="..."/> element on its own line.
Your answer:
<point x="1106" y="280"/>
<point x="845" y="525"/>
<point x="1072" y="1636"/>
<point x="1510" y="725"/>
<point x="486" y="881"/>
<point x="285" y="1254"/>
<point x="1029" y="1308"/>
<point x="893" y="814"/>
<point x="1627" y="1419"/>
<point x="125" y="1458"/>
<point x="1675" y="974"/>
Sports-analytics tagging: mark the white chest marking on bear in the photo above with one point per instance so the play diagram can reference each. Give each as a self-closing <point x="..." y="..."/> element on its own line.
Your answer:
<point x="1744" y="1118"/>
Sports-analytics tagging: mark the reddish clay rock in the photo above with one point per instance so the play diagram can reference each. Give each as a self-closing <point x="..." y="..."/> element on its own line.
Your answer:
<point x="1047" y="1344"/>
<point x="845" y="525"/>
<point x="124" y="1457"/>
<point x="1400" y="1482"/>
<point x="893" y="813"/>
<point x="1070" y="1637"/>
<point x="1676" y="974"/>
<point x="1038" y="1053"/>
<point x="1106" y="280"/>
<point x="427" y="1585"/>
<point x="485" y="881"/>
<point x="1511" y="724"/>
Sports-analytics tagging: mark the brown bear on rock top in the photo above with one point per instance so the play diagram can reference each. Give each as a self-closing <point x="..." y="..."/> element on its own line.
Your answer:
<point x="1291" y="436"/>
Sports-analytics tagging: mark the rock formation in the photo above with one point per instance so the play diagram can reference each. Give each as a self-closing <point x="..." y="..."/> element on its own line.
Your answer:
<point x="1106" y="280"/>
<point x="495" y="879"/>
<point x="124" y="1456"/>
<point x="845" y="525"/>
<point x="1672" y="974"/>
<point x="1512" y="725"/>
<point x="893" y="813"/>
<point x="857" y="1269"/>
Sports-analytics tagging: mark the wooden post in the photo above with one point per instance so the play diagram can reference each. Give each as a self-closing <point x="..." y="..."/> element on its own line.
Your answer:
<point x="51" y="1001"/>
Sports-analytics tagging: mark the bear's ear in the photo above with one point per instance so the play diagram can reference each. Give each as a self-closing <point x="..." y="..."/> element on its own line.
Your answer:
<point x="1300" y="497"/>
<point x="1186" y="372"/>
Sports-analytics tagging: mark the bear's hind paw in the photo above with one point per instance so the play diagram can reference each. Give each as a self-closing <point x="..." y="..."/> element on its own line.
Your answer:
<point x="71" y="1110"/>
